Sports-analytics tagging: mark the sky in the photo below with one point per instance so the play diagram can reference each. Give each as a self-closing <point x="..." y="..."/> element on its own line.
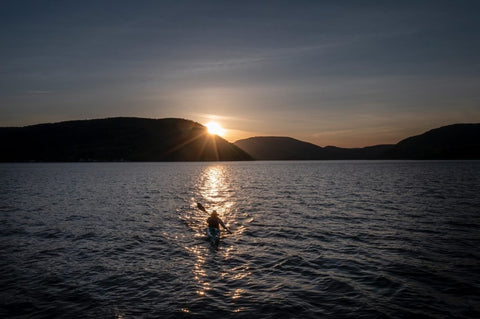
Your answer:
<point x="344" y="73"/>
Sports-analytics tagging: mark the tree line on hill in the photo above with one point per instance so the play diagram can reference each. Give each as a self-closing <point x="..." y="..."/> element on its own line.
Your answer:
<point x="458" y="141"/>
<point x="140" y="139"/>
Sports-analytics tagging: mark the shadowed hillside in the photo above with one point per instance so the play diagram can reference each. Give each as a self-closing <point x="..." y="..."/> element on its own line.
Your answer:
<point x="459" y="141"/>
<point x="286" y="148"/>
<point x="116" y="139"/>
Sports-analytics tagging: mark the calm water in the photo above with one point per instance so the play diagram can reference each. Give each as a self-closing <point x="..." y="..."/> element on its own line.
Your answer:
<point x="310" y="239"/>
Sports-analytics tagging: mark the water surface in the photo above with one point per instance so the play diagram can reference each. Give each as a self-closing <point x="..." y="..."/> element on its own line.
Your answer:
<point x="347" y="239"/>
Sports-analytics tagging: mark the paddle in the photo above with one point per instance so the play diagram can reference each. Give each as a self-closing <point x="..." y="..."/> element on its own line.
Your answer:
<point x="200" y="206"/>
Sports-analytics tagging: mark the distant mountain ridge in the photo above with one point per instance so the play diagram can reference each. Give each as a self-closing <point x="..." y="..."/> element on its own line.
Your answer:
<point x="457" y="141"/>
<point x="274" y="147"/>
<point x="116" y="139"/>
<point x="171" y="139"/>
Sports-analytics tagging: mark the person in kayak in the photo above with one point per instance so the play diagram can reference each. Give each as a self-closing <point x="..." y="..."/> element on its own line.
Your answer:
<point x="213" y="230"/>
<point x="214" y="222"/>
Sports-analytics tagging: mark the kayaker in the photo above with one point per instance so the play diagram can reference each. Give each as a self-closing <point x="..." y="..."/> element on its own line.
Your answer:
<point x="214" y="221"/>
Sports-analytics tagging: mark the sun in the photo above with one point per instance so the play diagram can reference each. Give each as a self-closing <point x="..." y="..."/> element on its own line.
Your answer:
<point x="215" y="129"/>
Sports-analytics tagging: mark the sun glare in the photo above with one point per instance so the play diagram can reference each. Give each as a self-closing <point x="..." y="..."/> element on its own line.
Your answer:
<point x="215" y="129"/>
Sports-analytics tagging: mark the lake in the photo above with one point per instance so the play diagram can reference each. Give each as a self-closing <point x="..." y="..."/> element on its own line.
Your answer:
<point x="319" y="239"/>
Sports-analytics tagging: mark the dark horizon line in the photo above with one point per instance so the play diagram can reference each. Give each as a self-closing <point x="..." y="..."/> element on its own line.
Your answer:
<point x="243" y="139"/>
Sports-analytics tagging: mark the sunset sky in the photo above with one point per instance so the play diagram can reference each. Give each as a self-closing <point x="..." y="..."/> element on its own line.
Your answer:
<point x="344" y="73"/>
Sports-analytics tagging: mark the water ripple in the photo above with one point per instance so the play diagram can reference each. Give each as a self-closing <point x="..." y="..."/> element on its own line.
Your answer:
<point x="309" y="239"/>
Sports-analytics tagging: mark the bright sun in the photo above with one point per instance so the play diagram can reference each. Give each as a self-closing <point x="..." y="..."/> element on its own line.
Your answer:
<point x="215" y="129"/>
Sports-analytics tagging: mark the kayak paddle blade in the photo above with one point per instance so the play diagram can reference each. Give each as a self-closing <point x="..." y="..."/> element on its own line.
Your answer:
<point x="200" y="206"/>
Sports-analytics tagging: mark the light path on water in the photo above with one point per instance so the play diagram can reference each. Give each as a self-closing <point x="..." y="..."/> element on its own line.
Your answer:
<point x="347" y="239"/>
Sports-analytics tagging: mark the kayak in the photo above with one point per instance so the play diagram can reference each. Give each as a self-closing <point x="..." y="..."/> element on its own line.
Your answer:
<point x="213" y="235"/>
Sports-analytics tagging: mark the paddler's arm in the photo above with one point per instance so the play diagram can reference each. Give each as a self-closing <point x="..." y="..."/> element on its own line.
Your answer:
<point x="223" y="225"/>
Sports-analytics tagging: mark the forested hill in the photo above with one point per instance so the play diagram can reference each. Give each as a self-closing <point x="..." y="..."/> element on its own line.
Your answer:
<point x="140" y="139"/>
<point x="458" y="141"/>
<point x="287" y="148"/>
<point x="280" y="148"/>
<point x="116" y="139"/>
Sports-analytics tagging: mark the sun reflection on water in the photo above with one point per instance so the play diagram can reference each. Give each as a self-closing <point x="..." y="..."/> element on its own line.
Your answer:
<point x="213" y="185"/>
<point x="212" y="270"/>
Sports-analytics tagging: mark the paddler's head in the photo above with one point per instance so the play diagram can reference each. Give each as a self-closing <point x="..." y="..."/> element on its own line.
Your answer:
<point x="214" y="214"/>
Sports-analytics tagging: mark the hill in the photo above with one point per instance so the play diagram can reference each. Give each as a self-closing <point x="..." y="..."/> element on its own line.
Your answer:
<point x="274" y="148"/>
<point x="287" y="148"/>
<point x="458" y="141"/>
<point x="116" y="139"/>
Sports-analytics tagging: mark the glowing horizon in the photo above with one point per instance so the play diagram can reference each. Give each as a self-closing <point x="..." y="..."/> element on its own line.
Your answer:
<point x="326" y="72"/>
